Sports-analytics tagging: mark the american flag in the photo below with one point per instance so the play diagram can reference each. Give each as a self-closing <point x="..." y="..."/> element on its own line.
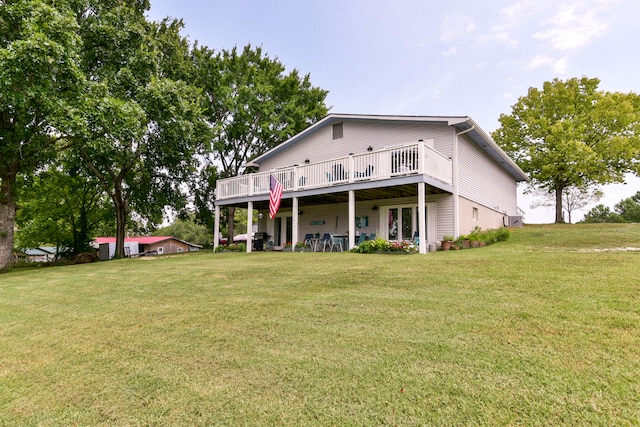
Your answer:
<point x="275" y="195"/>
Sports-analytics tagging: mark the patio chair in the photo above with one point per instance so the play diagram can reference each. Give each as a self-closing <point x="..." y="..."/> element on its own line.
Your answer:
<point x="326" y="241"/>
<point x="373" y="236"/>
<point x="336" y="242"/>
<point x="339" y="173"/>
<point x="416" y="238"/>
<point x="367" y="173"/>
<point x="308" y="240"/>
<point x="362" y="238"/>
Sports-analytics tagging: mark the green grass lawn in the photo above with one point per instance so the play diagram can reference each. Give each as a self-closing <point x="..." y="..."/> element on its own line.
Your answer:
<point x="543" y="329"/>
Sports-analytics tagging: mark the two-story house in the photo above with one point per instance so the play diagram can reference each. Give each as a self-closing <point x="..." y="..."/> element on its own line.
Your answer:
<point x="394" y="177"/>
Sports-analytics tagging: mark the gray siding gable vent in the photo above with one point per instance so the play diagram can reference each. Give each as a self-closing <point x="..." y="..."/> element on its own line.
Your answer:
<point x="338" y="130"/>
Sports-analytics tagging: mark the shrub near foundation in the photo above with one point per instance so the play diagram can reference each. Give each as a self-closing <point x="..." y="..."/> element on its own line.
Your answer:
<point x="479" y="237"/>
<point x="382" y="246"/>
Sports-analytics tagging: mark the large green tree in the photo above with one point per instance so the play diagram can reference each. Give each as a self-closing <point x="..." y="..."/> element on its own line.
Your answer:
<point x="143" y="120"/>
<point x="627" y="210"/>
<point x="572" y="199"/>
<point x="39" y="86"/>
<point x="570" y="134"/>
<point x="253" y="104"/>
<point x="62" y="205"/>
<point x="187" y="228"/>
<point x="601" y="214"/>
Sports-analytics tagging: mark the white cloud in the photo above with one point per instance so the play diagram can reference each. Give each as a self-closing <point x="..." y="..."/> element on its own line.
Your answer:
<point x="520" y="11"/>
<point x="513" y="19"/>
<point x="454" y="27"/>
<point x="501" y="34"/>
<point x="539" y="61"/>
<point x="573" y="26"/>
<point x="561" y="26"/>
<point x="559" y="65"/>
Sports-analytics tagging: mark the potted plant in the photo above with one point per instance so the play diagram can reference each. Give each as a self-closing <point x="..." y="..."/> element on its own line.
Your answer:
<point x="475" y="236"/>
<point x="464" y="241"/>
<point x="287" y="247"/>
<point x="300" y="247"/>
<point x="447" y="241"/>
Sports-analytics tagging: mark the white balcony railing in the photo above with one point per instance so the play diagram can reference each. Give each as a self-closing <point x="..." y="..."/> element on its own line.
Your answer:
<point x="411" y="159"/>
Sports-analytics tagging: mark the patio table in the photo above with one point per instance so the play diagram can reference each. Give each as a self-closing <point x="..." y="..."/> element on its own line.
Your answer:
<point x="345" y="240"/>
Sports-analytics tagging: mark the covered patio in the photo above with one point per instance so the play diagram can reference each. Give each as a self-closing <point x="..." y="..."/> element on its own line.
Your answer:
<point x="356" y="195"/>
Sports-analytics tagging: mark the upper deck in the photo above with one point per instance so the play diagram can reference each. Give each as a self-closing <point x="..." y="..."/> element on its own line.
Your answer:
<point x="410" y="159"/>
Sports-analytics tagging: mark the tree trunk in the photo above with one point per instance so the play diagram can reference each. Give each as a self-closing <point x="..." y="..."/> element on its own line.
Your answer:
<point x="231" y="223"/>
<point x="7" y="219"/>
<point x="81" y="237"/>
<point x="559" y="218"/>
<point x="121" y="224"/>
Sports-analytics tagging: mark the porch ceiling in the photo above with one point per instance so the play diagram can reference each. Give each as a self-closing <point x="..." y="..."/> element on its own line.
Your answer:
<point x="381" y="193"/>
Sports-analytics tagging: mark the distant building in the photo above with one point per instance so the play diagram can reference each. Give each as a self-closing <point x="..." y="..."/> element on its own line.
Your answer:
<point x="40" y="254"/>
<point x="144" y="245"/>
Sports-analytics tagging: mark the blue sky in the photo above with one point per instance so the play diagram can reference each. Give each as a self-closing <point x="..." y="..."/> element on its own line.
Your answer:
<point x="418" y="57"/>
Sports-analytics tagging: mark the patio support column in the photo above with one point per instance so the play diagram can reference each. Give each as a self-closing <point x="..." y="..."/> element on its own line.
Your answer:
<point x="422" y="224"/>
<point x="294" y="224"/>
<point x="216" y="227"/>
<point x="352" y="218"/>
<point x="249" y="226"/>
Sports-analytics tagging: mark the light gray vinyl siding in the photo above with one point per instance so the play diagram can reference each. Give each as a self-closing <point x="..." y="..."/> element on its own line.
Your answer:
<point x="483" y="181"/>
<point x="358" y="135"/>
<point x="336" y="220"/>
<point x="444" y="204"/>
<point x="335" y="217"/>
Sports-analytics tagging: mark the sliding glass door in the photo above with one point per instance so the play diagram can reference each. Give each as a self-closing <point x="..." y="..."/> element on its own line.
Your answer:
<point x="401" y="222"/>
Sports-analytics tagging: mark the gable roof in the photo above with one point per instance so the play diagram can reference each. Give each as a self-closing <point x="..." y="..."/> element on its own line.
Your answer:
<point x="490" y="147"/>
<point x="41" y="250"/>
<point x="143" y="240"/>
<point x="459" y="123"/>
